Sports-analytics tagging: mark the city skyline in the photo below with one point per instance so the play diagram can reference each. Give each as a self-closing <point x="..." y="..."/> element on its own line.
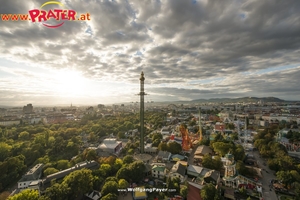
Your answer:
<point x="188" y="50"/>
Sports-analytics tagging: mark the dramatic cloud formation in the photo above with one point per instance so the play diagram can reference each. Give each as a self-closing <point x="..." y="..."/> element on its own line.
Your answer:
<point x="187" y="50"/>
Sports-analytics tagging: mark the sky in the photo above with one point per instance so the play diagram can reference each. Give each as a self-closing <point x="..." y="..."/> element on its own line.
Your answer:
<point x="187" y="49"/>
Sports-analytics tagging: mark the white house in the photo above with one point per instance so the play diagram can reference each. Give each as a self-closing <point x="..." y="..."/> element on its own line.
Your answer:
<point x="159" y="171"/>
<point x="178" y="170"/>
<point x="32" y="175"/>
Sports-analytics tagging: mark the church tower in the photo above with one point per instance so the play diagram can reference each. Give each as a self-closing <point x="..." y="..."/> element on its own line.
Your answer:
<point x="230" y="178"/>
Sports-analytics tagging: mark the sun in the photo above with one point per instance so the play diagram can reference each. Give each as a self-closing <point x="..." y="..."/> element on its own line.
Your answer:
<point x="70" y="82"/>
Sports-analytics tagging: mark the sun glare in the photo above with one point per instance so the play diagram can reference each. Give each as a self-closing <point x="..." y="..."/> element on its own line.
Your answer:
<point x="71" y="83"/>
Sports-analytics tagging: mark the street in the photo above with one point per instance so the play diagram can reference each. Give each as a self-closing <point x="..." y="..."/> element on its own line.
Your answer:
<point x="267" y="176"/>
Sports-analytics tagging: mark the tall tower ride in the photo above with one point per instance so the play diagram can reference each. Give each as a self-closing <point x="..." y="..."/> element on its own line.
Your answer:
<point x="142" y="94"/>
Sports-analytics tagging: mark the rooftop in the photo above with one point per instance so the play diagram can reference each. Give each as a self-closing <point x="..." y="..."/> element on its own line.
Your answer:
<point x="34" y="169"/>
<point x="158" y="168"/>
<point x="140" y="194"/>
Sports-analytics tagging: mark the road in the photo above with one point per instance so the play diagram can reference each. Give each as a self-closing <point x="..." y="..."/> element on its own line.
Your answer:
<point x="267" y="175"/>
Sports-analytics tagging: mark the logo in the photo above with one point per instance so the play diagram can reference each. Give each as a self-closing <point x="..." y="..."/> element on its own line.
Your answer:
<point x="59" y="16"/>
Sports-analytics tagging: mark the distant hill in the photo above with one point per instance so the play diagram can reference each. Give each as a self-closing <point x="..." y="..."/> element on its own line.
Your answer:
<point x="242" y="99"/>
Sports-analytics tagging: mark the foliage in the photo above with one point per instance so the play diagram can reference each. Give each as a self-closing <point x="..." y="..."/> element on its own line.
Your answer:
<point x="107" y="169"/>
<point x="132" y="172"/>
<point x="79" y="182"/>
<point x="25" y="145"/>
<point x="293" y="136"/>
<point x="288" y="177"/>
<point x="26" y="195"/>
<point x="173" y="183"/>
<point x="123" y="184"/>
<point x="174" y="147"/>
<point x="222" y="148"/>
<point x="209" y="192"/>
<point x="111" y="178"/>
<point x="156" y="136"/>
<point x="58" y="191"/>
<point x="4" y="151"/>
<point x="50" y="170"/>
<point x="128" y="159"/>
<point x="110" y="196"/>
<point x="62" y="164"/>
<point x="210" y="163"/>
<point x="184" y="191"/>
<point x="109" y="187"/>
<point x="11" y="169"/>
<point x="205" y="141"/>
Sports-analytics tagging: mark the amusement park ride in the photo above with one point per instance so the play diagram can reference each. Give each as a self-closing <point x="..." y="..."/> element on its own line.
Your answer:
<point x="187" y="140"/>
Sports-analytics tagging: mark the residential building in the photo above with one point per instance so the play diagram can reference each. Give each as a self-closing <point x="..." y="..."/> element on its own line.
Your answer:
<point x="165" y="131"/>
<point x="163" y="156"/>
<point x="32" y="175"/>
<point x="201" y="151"/>
<point x="194" y="171"/>
<point x="159" y="171"/>
<point x="212" y="176"/>
<point x="9" y="122"/>
<point x="28" y="109"/>
<point x="178" y="170"/>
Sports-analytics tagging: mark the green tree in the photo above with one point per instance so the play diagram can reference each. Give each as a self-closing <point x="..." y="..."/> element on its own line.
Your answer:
<point x="123" y="173"/>
<point x="123" y="184"/>
<point x="110" y="187"/>
<point x="156" y="142"/>
<point x="89" y="154"/>
<point x="62" y="164"/>
<point x="173" y="183"/>
<point x="121" y="135"/>
<point x="5" y="150"/>
<point x="79" y="182"/>
<point x="111" y="178"/>
<point x="137" y="170"/>
<point x="107" y="169"/>
<point x="184" y="191"/>
<point x="222" y="148"/>
<point x="297" y="190"/>
<point x="26" y="195"/>
<point x="241" y="168"/>
<point x="58" y="191"/>
<point x="205" y="141"/>
<point x="128" y="159"/>
<point x="239" y="152"/>
<point x="50" y="170"/>
<point x="24" y="135"/>
<point x="117" y="165"/>
<point x="285" y="177"/>
<point x="11" y="169"/>
<point x="163" y="146"/>
<point x="210" y="163"/>
<point x="207" y="161"/>
<point x="209" y="192"/>
<point x="110" y="196"/>
<point x="157" y="136"/>
<point x="174" y="147"/>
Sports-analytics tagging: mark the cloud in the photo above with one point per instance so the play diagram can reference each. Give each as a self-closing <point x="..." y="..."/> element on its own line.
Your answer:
<point x="173" y="42"/>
